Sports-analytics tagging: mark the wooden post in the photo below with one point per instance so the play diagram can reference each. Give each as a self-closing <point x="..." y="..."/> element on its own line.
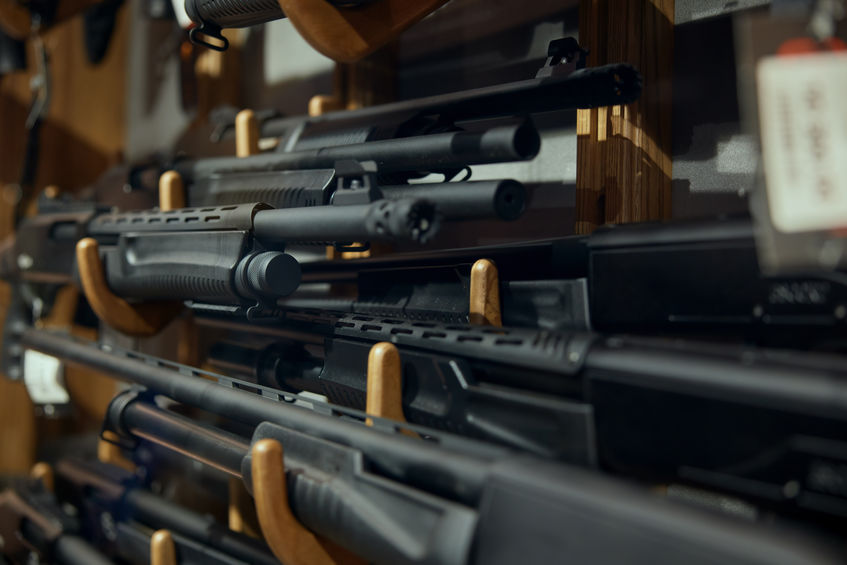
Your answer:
<point x="624" y="152"/>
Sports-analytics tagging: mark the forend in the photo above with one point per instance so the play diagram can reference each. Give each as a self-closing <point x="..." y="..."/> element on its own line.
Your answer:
<point x="234" y="217"/>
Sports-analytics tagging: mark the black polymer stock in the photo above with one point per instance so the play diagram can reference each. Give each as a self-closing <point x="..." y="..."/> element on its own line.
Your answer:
<point x="736" y="420"/>
<point x="96" y="488"/>
<point x="447" y="500"/>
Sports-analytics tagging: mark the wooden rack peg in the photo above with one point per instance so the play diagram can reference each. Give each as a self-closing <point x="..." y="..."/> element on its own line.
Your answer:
<point x="135" y="320"/>
<point x="171" y="191"/>
<point x="246" y="134"/>
<point x="109" y="452"/>
<point x="162" y="548"/>
<point x="349" y="35"/>
<point x="385" y="384"/>
<point x="290" y="542"/>
<point x="320" y="104"/>
<point x="485" y="295"/>
<point x="241" y="516"/>
<point x="43" y="472"/>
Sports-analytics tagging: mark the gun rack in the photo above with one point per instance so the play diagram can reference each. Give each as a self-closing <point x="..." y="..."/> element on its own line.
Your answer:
<point x="290" y="542"/>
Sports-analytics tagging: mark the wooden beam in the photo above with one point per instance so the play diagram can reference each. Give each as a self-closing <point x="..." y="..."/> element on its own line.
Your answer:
<point x="624" y="152"/>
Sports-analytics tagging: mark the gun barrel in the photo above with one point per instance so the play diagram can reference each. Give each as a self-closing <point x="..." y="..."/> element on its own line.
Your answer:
<point x="503" y="199"/>
<point x="119" y="493"/>
<point x="384" y="220"/>
<point x="147" y="507"/>
<point x="423" y="153"/>
<point x="74" y="550"/>
<point x="586" y="88"/>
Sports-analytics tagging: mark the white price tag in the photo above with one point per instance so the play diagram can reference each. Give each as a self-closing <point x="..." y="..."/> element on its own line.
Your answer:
<point x="43" y="376"/>
<point x="803" y="117"/>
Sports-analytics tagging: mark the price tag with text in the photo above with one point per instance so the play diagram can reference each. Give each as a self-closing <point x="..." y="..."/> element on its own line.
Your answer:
<point x="803" y="120"/>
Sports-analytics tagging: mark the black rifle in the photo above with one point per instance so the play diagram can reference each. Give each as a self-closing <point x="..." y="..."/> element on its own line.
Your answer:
<point x="224" y="254"/>
<point x="145" y="261"/>
<point x="561" y="84"/>
<point x="435" y="152"/>
<point x="401" y="500"/>
<point x="740" y="420"/>
<point x="221" y="255"/>
<point x="440" y="134"/>
<point x="501" y="199"/>
<point x="681" y="277"/>
<point x="31" y="521"/>
<point x="96" y="489"/>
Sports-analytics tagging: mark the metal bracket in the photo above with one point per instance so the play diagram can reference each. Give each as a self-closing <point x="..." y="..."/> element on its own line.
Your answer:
<point x="356" y="183"/>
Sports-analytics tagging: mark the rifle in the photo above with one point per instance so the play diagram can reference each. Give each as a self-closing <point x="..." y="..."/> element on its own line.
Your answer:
<point x="774" y="417"/>
<point x="394" y="499"/>
<point x="701" y="278"/>
<point x="96" y="489"/>
<point x="351" y="181"/>
<point x="31" y="521"/>
<point x="424" y="137"/>
<point x="318" y="158"/>
<point x="224" y="254"/>
<point x="438" y="134"/>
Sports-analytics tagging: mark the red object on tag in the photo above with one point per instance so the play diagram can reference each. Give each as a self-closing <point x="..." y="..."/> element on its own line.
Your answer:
<point x="807" y="45"/>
